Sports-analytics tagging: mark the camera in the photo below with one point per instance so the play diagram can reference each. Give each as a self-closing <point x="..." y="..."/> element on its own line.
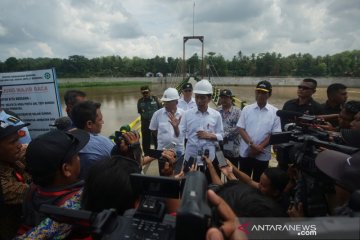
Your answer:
<point x="299" y="147"/>
<point x="149" y="221"/>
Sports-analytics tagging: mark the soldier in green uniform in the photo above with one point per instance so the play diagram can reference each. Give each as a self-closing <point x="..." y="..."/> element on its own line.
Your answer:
<point x="146" y="106"/>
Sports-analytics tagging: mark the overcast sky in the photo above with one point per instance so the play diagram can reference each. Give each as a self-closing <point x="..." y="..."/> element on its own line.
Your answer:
<point x="146" y="28"/>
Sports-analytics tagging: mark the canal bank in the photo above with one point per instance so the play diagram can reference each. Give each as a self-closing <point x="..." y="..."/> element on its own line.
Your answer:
<point x="242" y="81"/>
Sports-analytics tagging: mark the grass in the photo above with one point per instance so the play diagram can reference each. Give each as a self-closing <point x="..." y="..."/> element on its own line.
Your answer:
<point x="101" y="84"/>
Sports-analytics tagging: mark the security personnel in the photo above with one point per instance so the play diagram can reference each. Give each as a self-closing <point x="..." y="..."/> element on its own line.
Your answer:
<point x="187" y="101"/>
<point x="14" y="121"/>
<point x="146" y="106"/>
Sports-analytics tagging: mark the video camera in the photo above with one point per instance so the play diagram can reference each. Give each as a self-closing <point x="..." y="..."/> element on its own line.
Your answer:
<point x="149" y="221"/>
<point x="299" y="146"/>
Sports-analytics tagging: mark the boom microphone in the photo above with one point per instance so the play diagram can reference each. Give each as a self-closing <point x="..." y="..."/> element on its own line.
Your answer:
<point x="288" y="114"/>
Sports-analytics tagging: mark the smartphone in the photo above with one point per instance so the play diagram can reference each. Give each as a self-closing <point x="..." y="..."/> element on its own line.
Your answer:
<point x="206" y="153"/>
<point x="188" y="164"/>
<point x="221" y="158"/>
<point x="154" y="153"/>
<point x="171" y="145"/>
<point x="199" y="160"/>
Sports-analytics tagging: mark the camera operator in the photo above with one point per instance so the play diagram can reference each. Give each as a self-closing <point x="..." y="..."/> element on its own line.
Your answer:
<point x="108" y="185"/>
<point x="127" y="144"/>
<point x="347" y="113"/>
<point x="344" y="169"/>
<point x="304" y="104"/>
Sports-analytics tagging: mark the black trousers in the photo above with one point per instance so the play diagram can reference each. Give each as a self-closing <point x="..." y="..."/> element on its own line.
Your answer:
<point x="253" y="166"/>
<point x="147" y="136"/>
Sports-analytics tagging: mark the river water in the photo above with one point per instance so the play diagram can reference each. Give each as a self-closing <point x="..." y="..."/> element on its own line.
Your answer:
<point x="118" y="104"/>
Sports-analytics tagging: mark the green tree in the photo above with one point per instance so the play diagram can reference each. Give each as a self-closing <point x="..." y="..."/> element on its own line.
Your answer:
<point x="11" y="64"/>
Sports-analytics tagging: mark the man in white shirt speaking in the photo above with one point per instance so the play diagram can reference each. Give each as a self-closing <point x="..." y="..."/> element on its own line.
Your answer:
<point x="202" y="125"/>
<point x="165" y="123"/>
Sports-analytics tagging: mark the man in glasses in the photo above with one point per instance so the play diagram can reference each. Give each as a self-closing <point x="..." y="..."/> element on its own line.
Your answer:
<point x="187" y="101"/>
<point x="304" y="104"/>
<point x="146" y="106"/>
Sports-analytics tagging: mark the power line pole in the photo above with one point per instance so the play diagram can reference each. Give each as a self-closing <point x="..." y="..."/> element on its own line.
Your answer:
<point x="194" y="19"/>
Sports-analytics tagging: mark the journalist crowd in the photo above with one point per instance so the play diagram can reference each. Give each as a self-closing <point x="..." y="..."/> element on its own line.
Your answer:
<point x="316" y="171"/>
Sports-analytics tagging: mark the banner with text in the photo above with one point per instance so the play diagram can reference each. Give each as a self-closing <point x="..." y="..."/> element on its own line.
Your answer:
<point x="33" y="96"/>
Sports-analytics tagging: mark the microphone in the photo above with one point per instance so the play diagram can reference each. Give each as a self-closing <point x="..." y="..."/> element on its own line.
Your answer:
<point x="62" y="123"/>
<point x="288" y="114"/>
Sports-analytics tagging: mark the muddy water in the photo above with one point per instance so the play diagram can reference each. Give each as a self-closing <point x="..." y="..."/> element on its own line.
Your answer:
<point x="119" y="103"/>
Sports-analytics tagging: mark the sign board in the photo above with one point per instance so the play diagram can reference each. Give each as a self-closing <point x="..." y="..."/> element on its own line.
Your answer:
<point x="33" y="96"/>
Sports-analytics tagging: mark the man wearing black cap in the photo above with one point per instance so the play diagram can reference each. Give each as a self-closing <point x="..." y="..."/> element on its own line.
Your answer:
<point x="345" y="170"/>
<point x="13" y="178"/>
<point x="230" y="115"/>
<point x="54" y="164"/>
<point x="186" y="102"/>
<point x="146" y="106"/>
<point x="257" y="122"/>
<point x="10" y="119"/>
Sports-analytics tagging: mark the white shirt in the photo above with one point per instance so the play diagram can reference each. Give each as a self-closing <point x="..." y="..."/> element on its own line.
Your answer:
<point x="192" y="121"/>
<point x="165" y="131"/>
<point x="186" y="105"/>
<point x="258" y="124"/>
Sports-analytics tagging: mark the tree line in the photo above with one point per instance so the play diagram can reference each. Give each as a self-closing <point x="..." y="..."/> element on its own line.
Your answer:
<point x="263" y="64"/>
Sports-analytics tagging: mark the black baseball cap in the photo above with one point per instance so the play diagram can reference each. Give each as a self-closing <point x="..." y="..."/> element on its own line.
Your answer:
<point x="351" y="137"/>
<point x="144" y="88"/>
<point x="187" y="86"/>
<point x="7" y="129"/>
<point x="264" y="86"/>
<point x="343" y="168"/>
<point x="226" y="93"/>
<point x="46" y="153"/>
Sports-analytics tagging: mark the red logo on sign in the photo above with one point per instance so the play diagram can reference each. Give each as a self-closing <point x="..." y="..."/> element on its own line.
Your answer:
<point x="21" y="133"/>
